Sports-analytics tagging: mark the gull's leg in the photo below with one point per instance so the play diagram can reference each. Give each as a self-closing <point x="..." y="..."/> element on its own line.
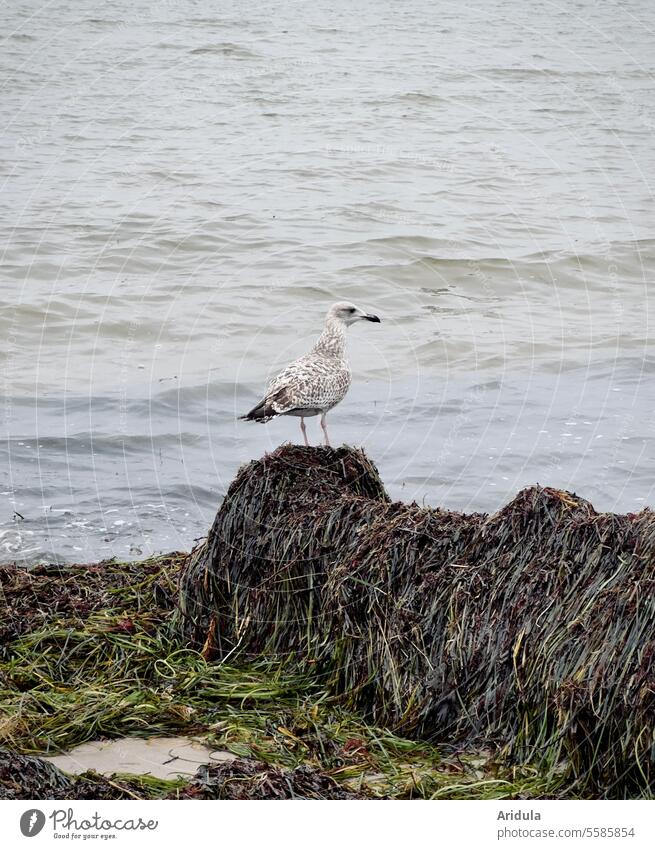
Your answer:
<point x="324" y="426"/>
<point x="303" y="428"/>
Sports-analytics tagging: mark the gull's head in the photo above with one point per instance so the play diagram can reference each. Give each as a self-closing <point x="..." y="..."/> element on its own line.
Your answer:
<point x="348" y="313"/>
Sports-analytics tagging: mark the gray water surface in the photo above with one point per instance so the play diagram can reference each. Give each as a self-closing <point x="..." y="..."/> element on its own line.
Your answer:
<point x="186" y="187"/>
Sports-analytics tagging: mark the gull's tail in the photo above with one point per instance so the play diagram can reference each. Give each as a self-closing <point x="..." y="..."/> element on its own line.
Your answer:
<point x="276" y="403"/>
<point x="263" y="412"/>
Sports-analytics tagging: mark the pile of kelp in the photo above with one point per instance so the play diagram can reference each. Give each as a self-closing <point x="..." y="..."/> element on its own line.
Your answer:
<point x="27" y="777"/>
<point x="532" y="629"/>
<point x="85" y="650"/>
<point x="32" y="599"/>
<point x="88" y="652"/>
<point x="248" y="779"/>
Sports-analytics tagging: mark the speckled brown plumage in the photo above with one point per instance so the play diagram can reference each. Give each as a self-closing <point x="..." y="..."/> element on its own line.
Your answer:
<point x="318" y="381"/>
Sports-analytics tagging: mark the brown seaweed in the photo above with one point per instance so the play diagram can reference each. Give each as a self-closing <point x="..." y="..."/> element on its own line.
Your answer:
<point x="248" y="779"/>
<point x="532" y="629"/>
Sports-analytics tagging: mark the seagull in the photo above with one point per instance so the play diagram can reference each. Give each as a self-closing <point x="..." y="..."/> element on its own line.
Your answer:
<point x="313" y="384"/>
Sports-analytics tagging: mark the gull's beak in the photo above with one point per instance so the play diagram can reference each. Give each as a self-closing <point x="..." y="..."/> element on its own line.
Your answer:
<point x="372" y="318"/>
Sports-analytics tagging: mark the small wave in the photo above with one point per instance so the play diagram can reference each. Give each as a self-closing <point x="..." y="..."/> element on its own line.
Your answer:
<point x="236" y="51"/>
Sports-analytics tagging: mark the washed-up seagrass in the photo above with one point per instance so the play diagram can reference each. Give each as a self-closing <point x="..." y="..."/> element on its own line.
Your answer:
<point x="533" y="628"/>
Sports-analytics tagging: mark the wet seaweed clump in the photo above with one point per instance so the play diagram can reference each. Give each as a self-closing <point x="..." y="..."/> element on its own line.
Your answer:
<point x="89" y="653"/>
<point x="33" y="598"/>
<point x="23" y="777"/>
<point x="27" y="777"/>
<point x="331" y="635"/>
<point x="531" y="630"/>
<point x="250" y="779"/>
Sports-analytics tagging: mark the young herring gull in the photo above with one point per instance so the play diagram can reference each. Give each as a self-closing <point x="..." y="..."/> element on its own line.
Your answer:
<point x="316" y="382"/>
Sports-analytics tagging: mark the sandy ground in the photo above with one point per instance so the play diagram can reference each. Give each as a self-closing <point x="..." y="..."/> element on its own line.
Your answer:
<point x="162" y="757"/>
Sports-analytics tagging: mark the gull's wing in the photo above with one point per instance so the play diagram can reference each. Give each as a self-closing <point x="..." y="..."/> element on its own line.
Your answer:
<point x="310" y="383"/>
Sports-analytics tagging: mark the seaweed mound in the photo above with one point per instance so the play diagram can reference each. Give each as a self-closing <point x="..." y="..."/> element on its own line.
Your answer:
<point x="533" y="628"/>
<point x="31" y="598"/>
<point x="27" y="777"/>
<point x="243" y="778"/>
<point x="24" y="777"/>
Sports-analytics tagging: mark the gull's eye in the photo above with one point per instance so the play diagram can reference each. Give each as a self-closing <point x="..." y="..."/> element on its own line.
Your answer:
<point x="351" y="309"/>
